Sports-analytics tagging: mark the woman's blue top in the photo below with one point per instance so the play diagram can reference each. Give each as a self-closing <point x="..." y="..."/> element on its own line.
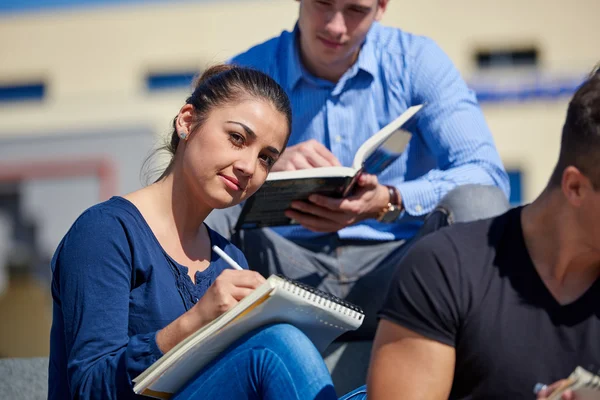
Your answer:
<point x="113" y="288"/>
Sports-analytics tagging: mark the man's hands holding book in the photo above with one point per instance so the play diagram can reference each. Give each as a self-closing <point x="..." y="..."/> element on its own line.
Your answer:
<point x="326" y="214"/>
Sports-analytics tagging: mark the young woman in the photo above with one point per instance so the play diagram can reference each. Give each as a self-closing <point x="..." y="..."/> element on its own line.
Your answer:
<point x="136" y="274"/>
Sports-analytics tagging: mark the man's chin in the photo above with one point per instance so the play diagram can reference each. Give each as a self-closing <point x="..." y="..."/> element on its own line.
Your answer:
<point x="332" y="59"/>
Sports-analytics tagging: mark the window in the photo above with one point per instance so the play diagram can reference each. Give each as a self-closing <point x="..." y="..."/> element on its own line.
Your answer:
<point x="170" y="80"/>
<point x="22" y="92"/>
<point x="507" y="57"/>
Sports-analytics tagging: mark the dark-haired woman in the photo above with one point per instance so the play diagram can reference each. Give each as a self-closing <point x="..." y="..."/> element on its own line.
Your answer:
<point x="135" y="275"/>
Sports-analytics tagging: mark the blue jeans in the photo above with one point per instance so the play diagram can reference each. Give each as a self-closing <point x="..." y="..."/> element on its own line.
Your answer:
<point x="273" y="362"/>
<point x="356" y="394"/>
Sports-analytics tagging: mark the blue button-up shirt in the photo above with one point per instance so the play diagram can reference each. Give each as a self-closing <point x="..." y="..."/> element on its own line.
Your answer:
<point x="452" y="144"/>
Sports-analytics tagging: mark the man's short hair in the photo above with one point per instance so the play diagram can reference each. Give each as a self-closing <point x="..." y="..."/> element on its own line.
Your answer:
<point x="580" y="143"/>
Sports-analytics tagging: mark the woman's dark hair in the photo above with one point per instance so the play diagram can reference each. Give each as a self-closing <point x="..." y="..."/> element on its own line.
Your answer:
<point x="580" y="143"/>
<point x="222" y="84"/>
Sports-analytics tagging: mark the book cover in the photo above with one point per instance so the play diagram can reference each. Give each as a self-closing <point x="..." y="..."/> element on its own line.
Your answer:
<point x="267" y="206"/>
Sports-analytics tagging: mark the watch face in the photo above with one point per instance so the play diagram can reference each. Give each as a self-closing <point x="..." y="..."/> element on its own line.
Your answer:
<point x="392" y="215"/>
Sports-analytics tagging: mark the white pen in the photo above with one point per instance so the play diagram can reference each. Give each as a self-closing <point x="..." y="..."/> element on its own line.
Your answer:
<point x="539" y="387"/>
<point x="227" y="259"/>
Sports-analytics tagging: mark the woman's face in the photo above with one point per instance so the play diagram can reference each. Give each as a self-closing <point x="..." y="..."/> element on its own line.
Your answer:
<point x="228" y="157"/>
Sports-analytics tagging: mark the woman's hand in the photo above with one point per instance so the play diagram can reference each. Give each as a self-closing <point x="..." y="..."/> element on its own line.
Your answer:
<point x="227" y="290"/>
<point x="547" y="391"/>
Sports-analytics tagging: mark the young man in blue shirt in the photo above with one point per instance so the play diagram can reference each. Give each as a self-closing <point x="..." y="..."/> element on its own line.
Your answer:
<point x="348" y="76"/>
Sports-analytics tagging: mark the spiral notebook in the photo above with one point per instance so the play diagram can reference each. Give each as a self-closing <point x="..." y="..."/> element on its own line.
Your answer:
<point x="321" y="316"/>
<point x="583" y="383"/>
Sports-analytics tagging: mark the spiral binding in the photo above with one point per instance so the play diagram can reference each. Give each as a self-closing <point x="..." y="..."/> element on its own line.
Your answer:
<point x="321" y="296"/>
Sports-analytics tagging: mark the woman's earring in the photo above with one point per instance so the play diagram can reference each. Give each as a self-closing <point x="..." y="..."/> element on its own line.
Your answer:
<point x="183" y="135"/>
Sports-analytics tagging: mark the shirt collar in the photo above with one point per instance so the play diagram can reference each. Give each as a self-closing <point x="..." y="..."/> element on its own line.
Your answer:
<point x="294" y="70"/>
<point x="367" y="60"/>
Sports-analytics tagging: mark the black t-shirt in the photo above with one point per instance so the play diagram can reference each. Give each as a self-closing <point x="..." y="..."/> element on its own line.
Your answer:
<point x="474" y="287"/>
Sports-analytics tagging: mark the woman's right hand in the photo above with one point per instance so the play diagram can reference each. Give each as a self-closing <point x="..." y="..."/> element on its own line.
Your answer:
<point x="548" y="391"/>
<point x="227" y="290"/>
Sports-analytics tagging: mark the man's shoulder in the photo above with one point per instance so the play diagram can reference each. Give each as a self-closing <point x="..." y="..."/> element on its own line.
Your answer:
<point x="469" y="242"/>
<point x="398" y="42"/>
<point x="262" y="55"/>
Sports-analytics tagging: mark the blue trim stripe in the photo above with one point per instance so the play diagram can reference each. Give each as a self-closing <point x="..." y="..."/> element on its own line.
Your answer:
<point x="486" y="93"/>
<point x="183" y="80"/>
<point x="516" y="187"/>
<point x="166" y="81"/>
<point x="19" y="6"/>
<point x="31" y="92"/>
<point x="542" y="90"/>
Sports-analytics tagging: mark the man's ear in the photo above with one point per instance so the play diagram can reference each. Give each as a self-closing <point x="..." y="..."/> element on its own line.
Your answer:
<point x="575" y="185"/>
<point x="381" y="7"/>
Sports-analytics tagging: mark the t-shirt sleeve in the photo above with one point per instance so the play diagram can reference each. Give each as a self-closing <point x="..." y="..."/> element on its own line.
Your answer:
<point x="425" y="292"/>
<point x="92" y="272"/>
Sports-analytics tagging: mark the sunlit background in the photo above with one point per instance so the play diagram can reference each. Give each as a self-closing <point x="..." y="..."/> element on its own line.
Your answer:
<point x="88" y="88"/>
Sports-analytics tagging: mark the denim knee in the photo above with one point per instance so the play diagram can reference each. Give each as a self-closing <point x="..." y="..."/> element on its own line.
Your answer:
<point x="290" y="344"/>
<point x="303" y="363"/>
<point x="357" y="394"/>
<point x="283" y="337"/>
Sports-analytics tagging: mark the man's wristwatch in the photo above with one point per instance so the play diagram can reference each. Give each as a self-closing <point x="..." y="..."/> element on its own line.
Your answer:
<point x="392" y="210"/>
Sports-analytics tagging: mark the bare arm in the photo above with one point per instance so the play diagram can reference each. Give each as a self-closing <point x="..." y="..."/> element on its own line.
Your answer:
<point x="406" y="365"/>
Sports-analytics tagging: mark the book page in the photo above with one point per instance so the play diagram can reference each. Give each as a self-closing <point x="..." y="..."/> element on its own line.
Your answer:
<point x="321" y="172"/>
<point x="374" y="142"/>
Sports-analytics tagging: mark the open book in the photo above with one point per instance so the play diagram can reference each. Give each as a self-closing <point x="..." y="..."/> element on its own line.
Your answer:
<point x="267" y="206"/>
<point x="584" y="384"/>
<point x="321" y="316"/>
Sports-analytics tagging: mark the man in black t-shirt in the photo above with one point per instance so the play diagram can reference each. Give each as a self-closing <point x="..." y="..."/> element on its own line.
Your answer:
<point x="485" y="310"/>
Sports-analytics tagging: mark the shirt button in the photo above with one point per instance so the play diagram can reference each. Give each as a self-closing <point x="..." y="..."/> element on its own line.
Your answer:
<point x="418" y="208"/>
<point x="338" y="138"/>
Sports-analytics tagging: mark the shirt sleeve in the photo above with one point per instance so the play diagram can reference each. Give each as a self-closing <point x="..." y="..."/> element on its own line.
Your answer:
<point x="425" y="292"/>
<point x="453" y="127"/>
<point x="93" y="271"/>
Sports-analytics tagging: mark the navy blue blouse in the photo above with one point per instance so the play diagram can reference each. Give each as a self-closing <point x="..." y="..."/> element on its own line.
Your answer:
<point x="113" y="288"/>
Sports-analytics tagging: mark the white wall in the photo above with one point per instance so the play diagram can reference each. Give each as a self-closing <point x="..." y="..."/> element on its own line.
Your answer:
<point x="95" y="60"/>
